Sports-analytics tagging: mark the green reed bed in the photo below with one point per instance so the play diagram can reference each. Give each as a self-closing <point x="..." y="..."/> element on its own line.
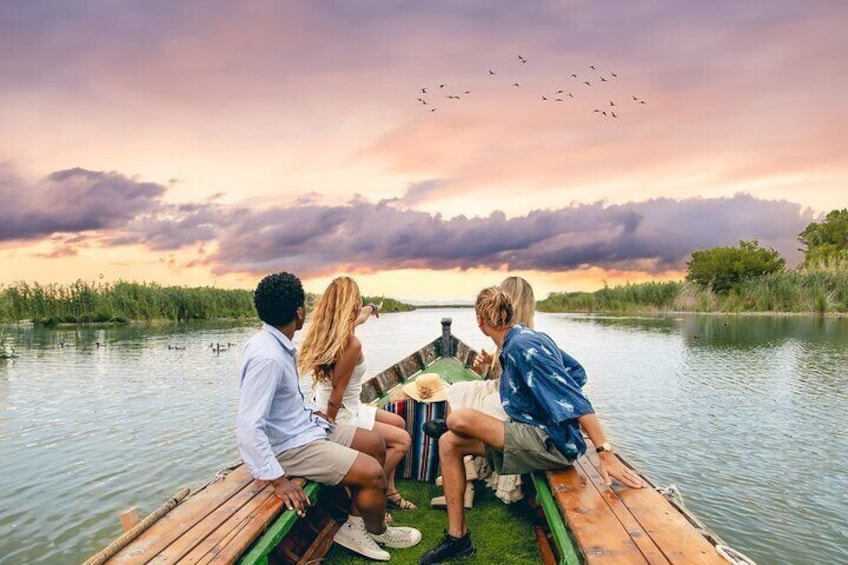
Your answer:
<point x="812" y="291"/>
<point x="86" y="302"/>
<point x="502" y="533"/>
<point x="93" y="302"/>
<point x="652" y="296"/>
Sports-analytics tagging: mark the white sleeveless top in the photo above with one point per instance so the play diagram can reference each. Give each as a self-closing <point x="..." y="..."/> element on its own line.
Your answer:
<point x="353" y="413"/>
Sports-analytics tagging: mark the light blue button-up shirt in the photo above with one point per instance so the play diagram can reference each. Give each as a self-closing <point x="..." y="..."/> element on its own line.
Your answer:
<point x="272" y="413"/>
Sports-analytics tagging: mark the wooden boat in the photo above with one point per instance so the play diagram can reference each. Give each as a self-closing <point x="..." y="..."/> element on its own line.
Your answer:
<point x="236" y="519"/>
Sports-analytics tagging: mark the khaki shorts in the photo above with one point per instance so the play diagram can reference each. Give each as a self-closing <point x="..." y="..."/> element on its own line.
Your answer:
<point x="324" y="461"/>
<point x="526" y="448"/>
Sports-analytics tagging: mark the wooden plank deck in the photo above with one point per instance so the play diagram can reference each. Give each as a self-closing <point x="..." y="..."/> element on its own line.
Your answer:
<point x="625" y="526"/>
<point x="216" y="525"/>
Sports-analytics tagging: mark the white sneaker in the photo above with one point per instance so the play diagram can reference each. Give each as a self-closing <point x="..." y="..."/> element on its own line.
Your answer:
<point x="398" y="537"/>
<point x="353" y="536"/>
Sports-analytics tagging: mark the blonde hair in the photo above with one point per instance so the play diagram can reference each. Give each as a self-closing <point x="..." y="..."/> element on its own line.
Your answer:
<point x="330" y="328"/>
<point x="523" y="301"/>
<point x="494" y="306"/>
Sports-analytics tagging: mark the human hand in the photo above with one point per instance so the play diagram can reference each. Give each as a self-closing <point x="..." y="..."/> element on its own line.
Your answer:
<point x="482" y="362"/>
<point x="612" y="467"/>
<point x="292" y="495"/>
<point x="324" y="416"/>
<point x="377" y="308"/>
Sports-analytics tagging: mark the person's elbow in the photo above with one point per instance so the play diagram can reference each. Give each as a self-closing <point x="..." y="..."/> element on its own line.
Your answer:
<point x="578" y="412"/>
<point x="249" y="434"/>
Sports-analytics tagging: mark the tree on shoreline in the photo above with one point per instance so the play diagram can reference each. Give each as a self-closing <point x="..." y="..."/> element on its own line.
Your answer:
<point x="826" y="243"/>
<point x="722" y="269"/>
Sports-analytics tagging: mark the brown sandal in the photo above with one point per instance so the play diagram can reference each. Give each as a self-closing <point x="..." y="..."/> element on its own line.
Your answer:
<point x="396" y="500"/>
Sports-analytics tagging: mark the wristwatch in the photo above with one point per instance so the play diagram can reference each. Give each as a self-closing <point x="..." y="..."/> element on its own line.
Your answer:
<point x="603" y="447"/>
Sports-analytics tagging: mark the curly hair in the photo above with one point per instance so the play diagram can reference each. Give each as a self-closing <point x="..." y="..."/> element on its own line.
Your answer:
<point x="329" y="328"/>
<point x="277" y="298"/>
<point x="494" y="305"/>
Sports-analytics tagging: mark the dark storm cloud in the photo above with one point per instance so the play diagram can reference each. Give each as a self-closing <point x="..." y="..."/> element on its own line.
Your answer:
<point x="176" y="227"/>
<point x="312" y="238"/>
<point x="655" y="235"/>
<point x="73" y="200"/>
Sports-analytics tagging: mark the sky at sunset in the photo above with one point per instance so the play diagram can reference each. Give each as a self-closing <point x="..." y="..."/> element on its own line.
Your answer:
<point x="425" y="148"/>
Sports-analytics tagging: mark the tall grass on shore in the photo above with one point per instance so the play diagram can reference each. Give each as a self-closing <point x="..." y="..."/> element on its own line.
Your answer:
<point x="818" y="291"/>
<point x="643" y="297"/>
<point x="87" y="302"/>
<point x="91" y="302"/>
<point x="389" y="304"/>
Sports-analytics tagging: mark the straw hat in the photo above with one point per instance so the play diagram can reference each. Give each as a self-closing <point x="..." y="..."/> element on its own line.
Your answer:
<point x="427" y="387"/>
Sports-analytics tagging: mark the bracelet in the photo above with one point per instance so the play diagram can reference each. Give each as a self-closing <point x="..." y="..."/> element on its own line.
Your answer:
<point x="373" y="308"/>
<point x="338" y="406"/>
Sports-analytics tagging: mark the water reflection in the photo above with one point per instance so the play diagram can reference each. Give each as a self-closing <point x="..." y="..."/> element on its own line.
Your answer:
<point x="762" y="331"/>
<point x="745" y="414"/>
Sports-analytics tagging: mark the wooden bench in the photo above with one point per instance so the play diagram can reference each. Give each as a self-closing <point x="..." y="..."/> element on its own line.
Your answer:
<point x="235" y="519"/>
<point x="618" y="525"/>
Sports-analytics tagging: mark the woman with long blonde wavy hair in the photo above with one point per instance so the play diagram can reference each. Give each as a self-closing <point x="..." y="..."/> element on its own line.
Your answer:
<point x="332" y="353"/>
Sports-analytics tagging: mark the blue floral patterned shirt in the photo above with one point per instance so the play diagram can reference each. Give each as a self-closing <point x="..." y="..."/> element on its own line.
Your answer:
<point x="541" y="385"/>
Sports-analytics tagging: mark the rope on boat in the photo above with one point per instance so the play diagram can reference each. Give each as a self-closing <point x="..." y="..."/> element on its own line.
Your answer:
<point x="220" y="474"/>
<point x="133" y="533"/>
<point x="673" y="493"/>
<point x="732" y="556"/>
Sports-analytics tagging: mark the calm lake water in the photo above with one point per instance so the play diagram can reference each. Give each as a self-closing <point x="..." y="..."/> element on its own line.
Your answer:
<point x="748" y="416"/>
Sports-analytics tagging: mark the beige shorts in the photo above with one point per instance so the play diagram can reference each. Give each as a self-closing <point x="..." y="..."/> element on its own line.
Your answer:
<point x="526" y="448"/>
<point x="324" y="461"/>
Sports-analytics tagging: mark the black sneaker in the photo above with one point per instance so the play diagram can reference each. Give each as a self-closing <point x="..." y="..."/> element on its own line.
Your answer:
<point x="449" y="548"/>
<point x="435" y="428"/>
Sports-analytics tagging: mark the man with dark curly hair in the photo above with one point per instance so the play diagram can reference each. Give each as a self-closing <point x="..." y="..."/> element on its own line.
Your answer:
<point x="280" y="437"/>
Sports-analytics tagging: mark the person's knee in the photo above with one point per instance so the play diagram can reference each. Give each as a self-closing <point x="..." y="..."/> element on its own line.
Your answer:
<point x="448" y="444"/>
<point x="365" y="473"/>
<point x="405" y="441"/>
<point x="374" y="475"/>
<point x="461" y="420"/>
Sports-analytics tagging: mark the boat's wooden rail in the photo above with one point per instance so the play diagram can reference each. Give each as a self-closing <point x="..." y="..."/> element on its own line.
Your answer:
<point x="447" y="346"/>
<point x="234" y="519"/>
<point x="618" y="525"/>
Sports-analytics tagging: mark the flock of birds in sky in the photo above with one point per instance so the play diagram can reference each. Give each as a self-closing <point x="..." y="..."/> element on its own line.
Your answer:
<point x="430" y="96"/>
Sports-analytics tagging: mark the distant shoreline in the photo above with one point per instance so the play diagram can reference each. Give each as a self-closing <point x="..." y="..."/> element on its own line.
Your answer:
<point x="813" y="293"/>
<point x="669" y="313"/>
<point x="437" y="306"/>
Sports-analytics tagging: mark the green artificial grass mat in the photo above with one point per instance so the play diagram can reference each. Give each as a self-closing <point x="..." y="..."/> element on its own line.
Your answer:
<point x="451" y="369"/>
<point x="502" y="533"/>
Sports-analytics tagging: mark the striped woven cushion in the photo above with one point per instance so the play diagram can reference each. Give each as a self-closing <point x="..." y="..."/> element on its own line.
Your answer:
<point x="422" y="462"/>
